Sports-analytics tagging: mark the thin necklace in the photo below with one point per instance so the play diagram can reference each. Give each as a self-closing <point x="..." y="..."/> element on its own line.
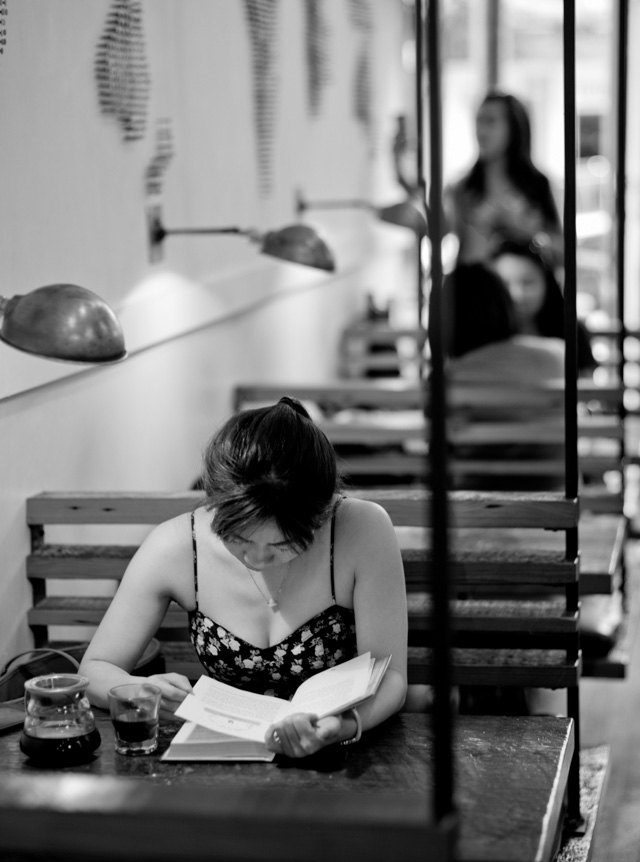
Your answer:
<point x="271" y="601"/>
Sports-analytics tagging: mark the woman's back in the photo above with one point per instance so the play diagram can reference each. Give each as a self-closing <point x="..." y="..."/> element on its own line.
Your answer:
<point x="520" y="359"/>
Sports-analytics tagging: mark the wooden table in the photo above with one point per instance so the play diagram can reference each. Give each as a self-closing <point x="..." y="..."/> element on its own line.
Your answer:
<point x="370" y="801"/>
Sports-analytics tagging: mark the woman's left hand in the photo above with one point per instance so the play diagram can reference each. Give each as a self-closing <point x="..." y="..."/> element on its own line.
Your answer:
<point x="302" y="734"/>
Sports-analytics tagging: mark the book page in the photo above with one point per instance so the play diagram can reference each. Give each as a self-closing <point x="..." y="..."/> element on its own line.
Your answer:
<point x="335" y="689"/>
<point x="230" y="710"/>
<point x="245" y="715"/>
<point x="194" y="734"/>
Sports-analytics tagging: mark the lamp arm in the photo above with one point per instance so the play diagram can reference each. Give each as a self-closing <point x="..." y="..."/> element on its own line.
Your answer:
<point x="303" y="205"/>
<point x="202" y="230"/>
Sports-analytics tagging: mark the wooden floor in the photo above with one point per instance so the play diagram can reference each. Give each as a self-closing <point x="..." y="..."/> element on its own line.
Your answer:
<point x="610" y="711"/>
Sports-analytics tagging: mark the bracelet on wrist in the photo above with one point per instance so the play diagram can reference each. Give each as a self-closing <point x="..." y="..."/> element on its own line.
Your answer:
<point x="356" y="737"/>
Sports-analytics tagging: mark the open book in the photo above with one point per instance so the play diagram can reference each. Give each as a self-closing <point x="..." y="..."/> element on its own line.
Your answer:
<point x="226" y="723"/>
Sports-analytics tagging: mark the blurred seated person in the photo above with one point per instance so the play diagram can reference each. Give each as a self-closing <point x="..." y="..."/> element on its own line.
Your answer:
<point x="537" y="297"/>
<point x="483" y="337"/>
<point x="483" y="345"/>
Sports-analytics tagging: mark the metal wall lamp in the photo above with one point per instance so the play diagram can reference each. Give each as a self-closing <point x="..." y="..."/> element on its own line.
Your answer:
<point x="295" y="243"/>
<point x="62" y="321"/>
<point x="409" y="213"/>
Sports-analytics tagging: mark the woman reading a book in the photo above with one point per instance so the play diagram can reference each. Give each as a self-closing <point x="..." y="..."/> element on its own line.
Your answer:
<point x="281" y="576"/>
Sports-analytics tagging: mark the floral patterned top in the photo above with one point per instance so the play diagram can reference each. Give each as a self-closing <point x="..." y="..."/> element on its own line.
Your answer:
<point x="327" y="639"/>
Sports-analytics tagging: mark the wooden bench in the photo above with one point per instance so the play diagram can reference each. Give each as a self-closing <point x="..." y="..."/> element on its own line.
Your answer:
<point x="68" y="562"/>
<point x="503" y="556"/>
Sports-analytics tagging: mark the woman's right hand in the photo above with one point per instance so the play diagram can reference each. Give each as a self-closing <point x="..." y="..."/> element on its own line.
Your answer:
<point x="174" y="688"/>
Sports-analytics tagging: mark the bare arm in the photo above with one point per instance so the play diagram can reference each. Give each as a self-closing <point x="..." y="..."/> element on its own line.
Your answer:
<point x="153" y="578"/>
<point x="380" y="604"/>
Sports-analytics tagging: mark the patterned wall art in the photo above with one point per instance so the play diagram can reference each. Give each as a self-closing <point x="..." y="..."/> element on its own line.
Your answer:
<point x="4" y="9"/>
<point x="121" y="69"/>
<point x="361" y="18"/>
<point x="262" y="18"/>
<point x="164" y="152"/>
<point x="317" y="53"/>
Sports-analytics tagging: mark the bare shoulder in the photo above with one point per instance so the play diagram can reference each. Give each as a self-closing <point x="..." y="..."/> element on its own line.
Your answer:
<point x="367" y="539"/>
<point x="363" y="517"/>
<point x="167" y="547"/>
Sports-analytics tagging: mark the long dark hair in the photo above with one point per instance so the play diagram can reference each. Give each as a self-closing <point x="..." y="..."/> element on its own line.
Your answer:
<point x="521" y="170"/>
<point x="477" y="309"/>
<point x="270" y="464"/>
<point x="549" y="320"/>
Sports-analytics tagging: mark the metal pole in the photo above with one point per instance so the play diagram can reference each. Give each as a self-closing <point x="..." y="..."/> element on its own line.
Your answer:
<point x="571" y="371"/>
<point x="493" y="43"/>
<point x="620" y="200"/>
<point x="440" y="586"/>
<point x="420" y="179"/>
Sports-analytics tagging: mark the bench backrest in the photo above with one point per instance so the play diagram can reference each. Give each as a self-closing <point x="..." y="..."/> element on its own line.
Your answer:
<point x="491" y="646"/>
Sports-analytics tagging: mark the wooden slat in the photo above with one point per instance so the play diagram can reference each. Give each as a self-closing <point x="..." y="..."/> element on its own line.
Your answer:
<point x="468" y="508"/>
<point x="90" y="562"/>
<point x="496" y="565"/>
<point x="532" y="567"/>
<point x="88" y="611"/>
<point x="478" y="509"/>
<point x="337" y="394"/>
<point x="470" y="616"/>
<point x="117" y="507"/>
<point x="545" y="668"/>
<point x="396" y="429"/>
<point x="340" y="393"/>
<point x="545" y="616"/>
<point x="507" y="555"/>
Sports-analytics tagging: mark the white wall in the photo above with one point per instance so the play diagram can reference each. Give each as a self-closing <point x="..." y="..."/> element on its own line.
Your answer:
<point x="213" y="312"/>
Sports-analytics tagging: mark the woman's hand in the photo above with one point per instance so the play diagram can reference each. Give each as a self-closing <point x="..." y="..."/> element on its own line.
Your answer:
<point x="302" y="734"/>
<point x="174" y="688"/>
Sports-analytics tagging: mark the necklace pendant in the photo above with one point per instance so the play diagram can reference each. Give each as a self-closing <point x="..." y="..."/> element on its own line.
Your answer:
<point x="272" y="603"/>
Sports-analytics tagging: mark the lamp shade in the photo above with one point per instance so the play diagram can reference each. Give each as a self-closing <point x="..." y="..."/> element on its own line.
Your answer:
<point x="63" y="321"/>
<point x="299" y="243"/>
<point x="295" y="243"/>
<point x="410" y="213"/>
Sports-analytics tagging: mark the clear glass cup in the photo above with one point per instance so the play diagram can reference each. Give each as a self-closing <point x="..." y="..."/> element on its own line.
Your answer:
<point x="59" y="726"/>
<point x="135" y="709"/>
